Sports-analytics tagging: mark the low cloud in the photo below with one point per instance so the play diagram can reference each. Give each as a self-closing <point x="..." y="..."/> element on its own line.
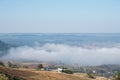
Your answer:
<point x="66" y="54"/>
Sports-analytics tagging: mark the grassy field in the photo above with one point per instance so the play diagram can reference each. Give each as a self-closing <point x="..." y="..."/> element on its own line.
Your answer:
<point x="29" y="74"/>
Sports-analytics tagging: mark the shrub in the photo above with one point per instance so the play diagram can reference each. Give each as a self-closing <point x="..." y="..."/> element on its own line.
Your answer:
<point x="67" y="71"/>
<point x="40" y="66"/>
<point x="3" y="77"/>
<point x="1" y="63"/>
<point x="117" y="77"/>
<point x="90" y="76"/>
<point x="11" y="65"/>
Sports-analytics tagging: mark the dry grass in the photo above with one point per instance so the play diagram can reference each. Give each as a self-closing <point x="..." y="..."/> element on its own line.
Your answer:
<point x="52" y="75"/>
<point x="49" y="75"/>
<point x="17" y="74"/>
<point x="31" y="74"/>
<point x="101" y="78"/>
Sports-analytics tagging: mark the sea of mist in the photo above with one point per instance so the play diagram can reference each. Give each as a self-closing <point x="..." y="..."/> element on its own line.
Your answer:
<point x="66" y="54"/>
<point x="83" y="49"/>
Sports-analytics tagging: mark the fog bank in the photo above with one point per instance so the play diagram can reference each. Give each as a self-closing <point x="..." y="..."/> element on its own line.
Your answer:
<point x="65" y="54"/>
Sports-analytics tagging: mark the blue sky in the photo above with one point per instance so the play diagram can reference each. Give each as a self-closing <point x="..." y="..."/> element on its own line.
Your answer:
<point x="60" y="16"/>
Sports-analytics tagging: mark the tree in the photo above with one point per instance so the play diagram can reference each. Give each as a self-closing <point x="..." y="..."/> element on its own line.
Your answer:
<point x="90" y="76"/>
<point x="1" y="63"/>
<point x="68" y="71"/>
<point x="117" y="77"/>
<point x="3" y="77"/>
<point x="11" y="65"/>
<point x="40" y="66"/>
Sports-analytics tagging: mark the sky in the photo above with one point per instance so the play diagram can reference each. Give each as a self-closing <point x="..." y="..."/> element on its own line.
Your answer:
<point x="59" y="16"/>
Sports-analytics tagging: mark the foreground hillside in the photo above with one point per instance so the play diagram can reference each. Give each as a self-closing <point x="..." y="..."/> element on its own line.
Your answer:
<point x="16" y="74"/>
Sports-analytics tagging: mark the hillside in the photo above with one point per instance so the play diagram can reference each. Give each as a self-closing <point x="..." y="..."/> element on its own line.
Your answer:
<point x="27" y="74"/>
<point x="3" y="47"/>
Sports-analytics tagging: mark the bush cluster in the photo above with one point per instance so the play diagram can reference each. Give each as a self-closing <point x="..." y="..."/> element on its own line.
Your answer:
<point x="3" y="77"/>
<point x="67" y="71"/>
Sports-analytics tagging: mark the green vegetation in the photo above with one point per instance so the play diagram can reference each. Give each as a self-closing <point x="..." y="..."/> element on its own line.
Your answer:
<point x="90" y="76"/>
<point x="40" y="66"/>
<point x="1" y="63"/>
<point x="117" y="77"/>
<point x="3" y="77"/>
<point x="11" y="65"/>
<point x="68" y="71"/>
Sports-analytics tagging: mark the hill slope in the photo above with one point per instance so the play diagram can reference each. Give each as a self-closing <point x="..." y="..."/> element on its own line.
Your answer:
<point x="40" y="75"/>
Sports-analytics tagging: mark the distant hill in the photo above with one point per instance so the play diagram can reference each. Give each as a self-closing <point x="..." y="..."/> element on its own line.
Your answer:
<point x="101" y="70"/>
<point x="3" y="47"/>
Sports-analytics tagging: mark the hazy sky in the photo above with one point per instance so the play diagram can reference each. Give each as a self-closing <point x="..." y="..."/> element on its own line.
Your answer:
<point x="60" y="16"/>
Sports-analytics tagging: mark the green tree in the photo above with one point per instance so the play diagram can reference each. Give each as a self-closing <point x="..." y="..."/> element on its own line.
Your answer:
<point x="117" y="77"/>
<point x="40" y="66"/>
<point x="3" y="77"/>
<point x="1" y="63"/>
<point x="90" y="76"/>
<point x="11" y="65"/>
<point x="68" y="71"/>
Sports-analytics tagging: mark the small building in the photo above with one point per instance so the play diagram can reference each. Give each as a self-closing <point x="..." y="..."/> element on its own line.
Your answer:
<point x="94" y="71"/>
<point x="59" y="70"/>
<point x="42" y="69"/>
<point x="47" y="69"/>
